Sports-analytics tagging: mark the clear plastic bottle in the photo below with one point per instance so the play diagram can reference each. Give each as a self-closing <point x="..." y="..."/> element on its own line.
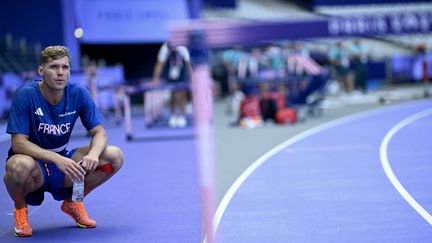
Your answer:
<point x="78" y="191"/>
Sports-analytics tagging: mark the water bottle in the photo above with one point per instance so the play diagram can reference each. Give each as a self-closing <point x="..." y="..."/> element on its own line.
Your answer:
<point x="78" y="190"/>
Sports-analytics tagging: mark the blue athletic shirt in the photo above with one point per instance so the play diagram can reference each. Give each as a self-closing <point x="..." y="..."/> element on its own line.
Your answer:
<point x="50" y="126"/>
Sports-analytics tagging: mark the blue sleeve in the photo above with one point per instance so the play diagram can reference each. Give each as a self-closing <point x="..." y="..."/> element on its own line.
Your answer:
<point x="19" y="116"/>
<point x="89" y="113"/>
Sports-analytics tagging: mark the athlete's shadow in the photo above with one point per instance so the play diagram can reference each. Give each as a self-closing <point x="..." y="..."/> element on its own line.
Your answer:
<point x="65" y="233"/>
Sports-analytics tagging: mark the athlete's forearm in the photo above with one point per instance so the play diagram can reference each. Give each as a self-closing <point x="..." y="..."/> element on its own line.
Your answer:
<point x="98" y="143"/>
<point x="21" y="145"/>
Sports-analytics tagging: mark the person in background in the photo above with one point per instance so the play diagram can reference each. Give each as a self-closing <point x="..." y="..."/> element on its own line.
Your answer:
<point x="422" y="50"/>
<point x="297" y="67"/>
<point x="340" y="63"/>
<point x="176" y="61"/>
<point x="231" y="59"/>
<point x="96" y="87"/>
<point x="359" y="58"/>
<point x="42" y="117"/>
<point x="91" y="76"/>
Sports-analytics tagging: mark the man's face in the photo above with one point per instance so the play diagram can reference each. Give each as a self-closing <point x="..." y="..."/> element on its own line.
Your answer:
<point x="56" y="73"/>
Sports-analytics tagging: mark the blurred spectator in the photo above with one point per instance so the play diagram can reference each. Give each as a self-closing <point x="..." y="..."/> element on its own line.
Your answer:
<point x="299" y="48"/>
<point x="104" y="88"/>
<point x="219" y="74"/>
<point x="231" y="59"/>
<point x="176" y="61"/>
<point x="298" y="68"/>
<point x="275" y="58"/>
<point x="249" y="64"/>
<point x="422" y="52"/>
<point x="339" y="61"/>
<point x="91" y="79"/>
<point x="250" y="114"/>
<point x="234" y="101"/>
<point x="271" y="101"/>
<point x="359" y="58"/>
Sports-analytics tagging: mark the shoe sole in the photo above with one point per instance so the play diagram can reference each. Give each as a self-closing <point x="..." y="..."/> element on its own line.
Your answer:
<point x="18" y="235"/>
<point x="84" y="226"/>
<point x="78" y="223"/>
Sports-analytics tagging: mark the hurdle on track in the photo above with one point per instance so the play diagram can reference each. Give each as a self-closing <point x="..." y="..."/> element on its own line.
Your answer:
<point x="153" y="101"/>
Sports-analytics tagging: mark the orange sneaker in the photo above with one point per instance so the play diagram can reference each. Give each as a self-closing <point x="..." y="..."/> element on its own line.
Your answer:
<point x="22" y="225"/>
<point x="77" y="211"/>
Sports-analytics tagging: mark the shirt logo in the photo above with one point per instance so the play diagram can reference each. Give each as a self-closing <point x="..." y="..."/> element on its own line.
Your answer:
<point x="59" y="129"/>
<point x="39" y="112"/>
<point x="67" y="113"/>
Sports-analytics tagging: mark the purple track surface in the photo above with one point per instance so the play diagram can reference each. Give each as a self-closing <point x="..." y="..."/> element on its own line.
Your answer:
<point x="330" y="186"/>
<point x="154" y="198"/>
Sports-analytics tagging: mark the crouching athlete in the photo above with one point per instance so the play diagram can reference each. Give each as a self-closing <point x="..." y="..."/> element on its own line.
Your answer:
<point x="41" y="121"/>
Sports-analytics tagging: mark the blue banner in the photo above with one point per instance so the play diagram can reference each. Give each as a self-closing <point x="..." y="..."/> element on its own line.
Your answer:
<point x="127" y="21"/>
<point x="318" y="3"/>
<point x="397" y="23"/>
<point x="225" y="33"/>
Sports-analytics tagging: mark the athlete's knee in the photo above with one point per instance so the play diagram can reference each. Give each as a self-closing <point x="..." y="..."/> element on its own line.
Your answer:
<point x="19" y="168"/>
<point x="114" y="156"/>
<point x="117" y="157"/>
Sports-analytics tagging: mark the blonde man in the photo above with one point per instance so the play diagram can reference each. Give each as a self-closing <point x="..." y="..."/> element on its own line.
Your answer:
<point x="42" y="118"/>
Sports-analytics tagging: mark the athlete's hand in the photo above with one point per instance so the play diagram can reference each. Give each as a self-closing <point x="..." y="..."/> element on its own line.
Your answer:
<point x="90" y="163"/>
<point x="71" y="169"/>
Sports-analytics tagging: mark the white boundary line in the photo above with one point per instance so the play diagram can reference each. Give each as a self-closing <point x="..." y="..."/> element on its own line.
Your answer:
<point x="242" y="178"/>
<point x="388" y="170"/>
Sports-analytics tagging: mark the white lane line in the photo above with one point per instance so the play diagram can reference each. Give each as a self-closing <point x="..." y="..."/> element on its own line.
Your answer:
<point x="388" y="170"/>
<point x="242" y="178"/>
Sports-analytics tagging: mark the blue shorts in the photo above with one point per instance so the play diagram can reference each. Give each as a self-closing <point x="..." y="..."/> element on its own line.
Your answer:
<point x="53" y="182"/>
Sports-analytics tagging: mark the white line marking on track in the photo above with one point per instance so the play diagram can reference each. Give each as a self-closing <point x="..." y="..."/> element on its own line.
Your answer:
<point x="388" y="170"/>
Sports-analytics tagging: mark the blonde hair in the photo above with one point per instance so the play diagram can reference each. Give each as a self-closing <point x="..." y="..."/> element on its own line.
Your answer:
<point x="53" y="53"/>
